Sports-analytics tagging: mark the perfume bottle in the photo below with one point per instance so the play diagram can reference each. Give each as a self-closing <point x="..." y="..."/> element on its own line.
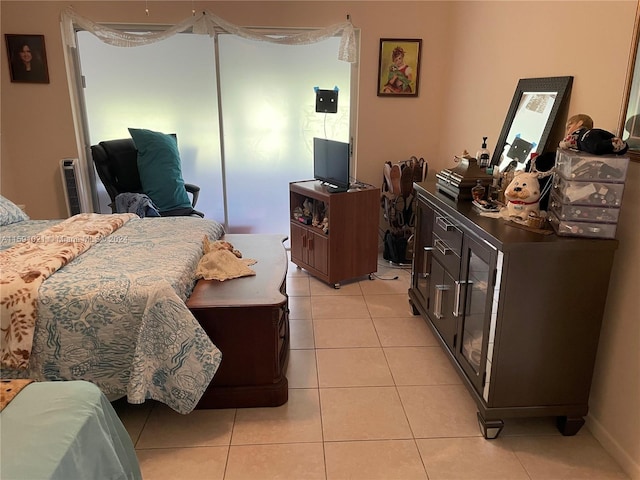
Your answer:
<point x="483" y="155"/>
<point x="477" y="192"/>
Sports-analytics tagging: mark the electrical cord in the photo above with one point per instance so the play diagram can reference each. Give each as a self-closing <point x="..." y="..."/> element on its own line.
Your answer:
<point x="383" y="278"/>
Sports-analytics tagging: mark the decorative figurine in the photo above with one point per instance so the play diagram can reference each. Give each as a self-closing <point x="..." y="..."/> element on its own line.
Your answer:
<point x="523" y="195"/>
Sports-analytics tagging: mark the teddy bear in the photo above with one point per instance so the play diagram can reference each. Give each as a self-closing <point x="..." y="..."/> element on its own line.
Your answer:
<point x="580" y="135"/>
<point x="522" y="195"/>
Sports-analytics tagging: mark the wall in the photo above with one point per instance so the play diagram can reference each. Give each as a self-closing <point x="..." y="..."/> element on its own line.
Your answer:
<point x="392" y="128"/>
<point x="474" y="53"/>
<point x="495" y="49"/>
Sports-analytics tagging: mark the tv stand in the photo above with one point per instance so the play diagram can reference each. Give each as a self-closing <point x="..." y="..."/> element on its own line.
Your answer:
<point x="349" y="248"/>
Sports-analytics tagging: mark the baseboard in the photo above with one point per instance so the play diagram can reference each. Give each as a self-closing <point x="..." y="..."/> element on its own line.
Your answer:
<point x="613" y="448"/>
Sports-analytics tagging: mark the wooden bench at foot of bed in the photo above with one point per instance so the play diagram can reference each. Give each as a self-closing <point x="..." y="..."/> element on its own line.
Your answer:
<point x="248" y="320"/>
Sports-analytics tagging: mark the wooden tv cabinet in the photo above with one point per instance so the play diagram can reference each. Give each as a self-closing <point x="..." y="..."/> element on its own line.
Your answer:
<point x="350" y="248"/>
<point x="247" y="318"/>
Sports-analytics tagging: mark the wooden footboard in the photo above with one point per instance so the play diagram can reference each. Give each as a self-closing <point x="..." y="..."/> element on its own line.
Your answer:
<point x="248" y="320"/>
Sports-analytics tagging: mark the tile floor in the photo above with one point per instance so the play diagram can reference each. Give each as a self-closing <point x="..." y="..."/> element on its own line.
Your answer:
<point x="371" y="396"/>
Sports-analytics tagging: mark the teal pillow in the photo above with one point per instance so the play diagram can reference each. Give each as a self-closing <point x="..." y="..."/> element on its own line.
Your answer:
<point x="160" y="169"/>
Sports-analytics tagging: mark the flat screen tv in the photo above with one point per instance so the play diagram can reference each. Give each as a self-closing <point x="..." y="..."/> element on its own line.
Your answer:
<point x="331" y="163"/>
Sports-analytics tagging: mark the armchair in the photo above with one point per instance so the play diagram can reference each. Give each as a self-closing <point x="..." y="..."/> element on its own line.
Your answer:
<point x="116" y="162"/>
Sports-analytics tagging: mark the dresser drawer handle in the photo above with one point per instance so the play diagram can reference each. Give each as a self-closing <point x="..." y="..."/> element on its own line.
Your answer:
<point x="442" y="247"/>
<point x="456" y="304"/>
<point x="445" y="224"/>
<point x="425" y="261"/>
<point x="437" y="304"/>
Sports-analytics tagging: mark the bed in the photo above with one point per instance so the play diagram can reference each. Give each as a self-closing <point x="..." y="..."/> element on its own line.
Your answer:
<point x="116" y="314"/>
<point x="65" y="431"/>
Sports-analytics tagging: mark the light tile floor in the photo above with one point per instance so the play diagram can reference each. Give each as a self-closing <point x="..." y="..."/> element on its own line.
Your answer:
<point x="371" y="396"/>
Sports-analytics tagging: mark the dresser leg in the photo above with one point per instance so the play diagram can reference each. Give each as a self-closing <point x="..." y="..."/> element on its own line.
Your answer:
<point x="490" y="428"/>
<point x="413" y="308"/>
<point x="569" y="426"/>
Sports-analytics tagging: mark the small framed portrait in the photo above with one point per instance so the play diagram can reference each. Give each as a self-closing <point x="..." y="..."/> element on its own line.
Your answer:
<point x="27" y="58"/>
<point x="399" y="67"/>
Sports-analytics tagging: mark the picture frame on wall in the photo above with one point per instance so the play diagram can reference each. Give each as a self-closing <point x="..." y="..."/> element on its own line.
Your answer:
<point x="399" y="67"/>
<point x="27" y="58"/>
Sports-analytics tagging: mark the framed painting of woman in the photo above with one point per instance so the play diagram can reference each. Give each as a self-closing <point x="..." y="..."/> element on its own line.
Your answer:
<point x="399" y="67"/>
<point x="27" y="58"/>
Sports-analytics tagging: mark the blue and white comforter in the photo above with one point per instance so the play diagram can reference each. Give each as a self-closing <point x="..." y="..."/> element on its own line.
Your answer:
<point x="116" y="315"/>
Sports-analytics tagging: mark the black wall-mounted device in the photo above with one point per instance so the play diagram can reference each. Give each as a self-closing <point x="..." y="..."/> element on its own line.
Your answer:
<point x="326" y="101"/>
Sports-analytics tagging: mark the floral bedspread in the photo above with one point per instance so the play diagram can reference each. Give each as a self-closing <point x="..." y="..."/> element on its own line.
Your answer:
<point x="27" y="264"/>
<point x="116" y="315"/>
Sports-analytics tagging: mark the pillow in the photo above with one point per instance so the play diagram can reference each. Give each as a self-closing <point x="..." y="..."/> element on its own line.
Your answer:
<point x="160" y="170"/>
<point x="10" y="212"/>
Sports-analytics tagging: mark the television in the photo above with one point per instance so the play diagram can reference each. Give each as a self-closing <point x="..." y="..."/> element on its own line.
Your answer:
<point x="331" y="164"/>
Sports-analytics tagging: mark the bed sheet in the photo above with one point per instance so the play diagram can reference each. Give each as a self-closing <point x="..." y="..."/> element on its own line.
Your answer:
<point x="65" y="431"/>
<point x="20" y="231"/>
<point x="116" y="315"/>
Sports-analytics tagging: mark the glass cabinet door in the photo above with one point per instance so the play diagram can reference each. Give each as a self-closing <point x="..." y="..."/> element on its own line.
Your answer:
<point x="441" y="306"/>
<point x="421" y="268"/>
<point x="476" y="288"/>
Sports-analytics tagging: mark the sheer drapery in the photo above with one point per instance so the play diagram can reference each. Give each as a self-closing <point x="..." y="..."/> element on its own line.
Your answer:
<point x="207" y="23"/>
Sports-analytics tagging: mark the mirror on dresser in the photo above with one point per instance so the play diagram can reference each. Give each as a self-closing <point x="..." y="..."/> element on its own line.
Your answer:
<point x="530" y="120"/>
<point x="630" y="124"/>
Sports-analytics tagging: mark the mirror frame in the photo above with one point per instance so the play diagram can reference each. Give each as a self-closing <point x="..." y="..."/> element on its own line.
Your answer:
<point x="633" y="84"/>
<point x="561" y="85"/>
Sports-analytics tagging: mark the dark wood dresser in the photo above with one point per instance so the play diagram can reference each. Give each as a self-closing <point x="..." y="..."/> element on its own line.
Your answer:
<point x="248" y="320"/>
<point x="518" y="313"/>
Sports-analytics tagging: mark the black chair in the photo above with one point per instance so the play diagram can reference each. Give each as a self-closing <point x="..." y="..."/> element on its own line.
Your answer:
<point x="116" y="162"/>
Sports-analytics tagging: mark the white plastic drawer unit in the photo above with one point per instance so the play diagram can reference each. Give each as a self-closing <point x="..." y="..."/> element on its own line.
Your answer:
<point x="588" y="193"/>
<point x="583" y="213"/>
<point x="585" y="167"/>
<point x="573" y="228"/>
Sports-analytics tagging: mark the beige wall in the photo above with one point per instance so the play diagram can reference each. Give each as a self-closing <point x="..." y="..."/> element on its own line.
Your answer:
<point x="474" y="53"/>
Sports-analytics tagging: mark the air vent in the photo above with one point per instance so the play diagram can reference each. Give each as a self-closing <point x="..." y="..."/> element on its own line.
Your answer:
<point x="71" y="182"/>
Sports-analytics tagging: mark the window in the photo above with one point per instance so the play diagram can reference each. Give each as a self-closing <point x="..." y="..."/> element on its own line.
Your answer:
<point x="247" y="138"/>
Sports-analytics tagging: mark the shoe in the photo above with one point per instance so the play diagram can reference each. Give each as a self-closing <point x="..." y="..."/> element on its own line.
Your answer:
<point x="387" y="176"/>
<point x="418" y="171"/>
<point x="409" y="211"/>
<point x="399" y="208"/>
<point x="390" y="209"/>
<point x="406" y="181"/>
<point x="412" y="219"/>
<point x="387" y="209"/>
<point x="395" y="179"/>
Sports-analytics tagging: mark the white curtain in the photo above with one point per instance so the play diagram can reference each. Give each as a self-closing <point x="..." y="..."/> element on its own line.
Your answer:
<point x="206" y="23"/>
